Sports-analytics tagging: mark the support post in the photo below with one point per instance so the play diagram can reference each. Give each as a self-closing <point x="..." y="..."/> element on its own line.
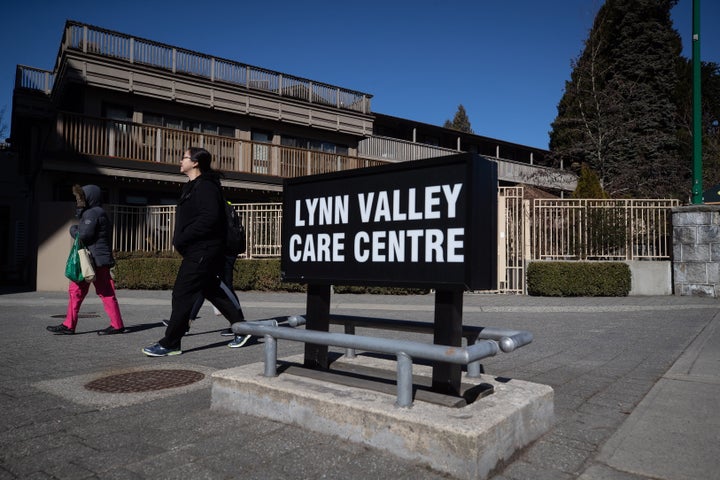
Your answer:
<point x="318" y="318"/>
<point x="447" y="331"/>
<point x="404" y="381"/>
<point x="697" y="190"/>
<point x="270" y="356"/>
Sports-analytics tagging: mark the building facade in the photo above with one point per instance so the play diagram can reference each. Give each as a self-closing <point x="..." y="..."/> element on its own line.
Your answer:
<point x="118" y="111"/>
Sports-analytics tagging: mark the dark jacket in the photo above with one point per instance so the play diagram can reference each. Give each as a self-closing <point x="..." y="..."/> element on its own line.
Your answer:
<point x="200" y="219"/>
<point x="95" y="227"/>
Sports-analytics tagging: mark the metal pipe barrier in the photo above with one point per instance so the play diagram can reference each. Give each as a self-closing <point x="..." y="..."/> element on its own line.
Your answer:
<point x="509" y="340"/>
<point x="403" y="350"/>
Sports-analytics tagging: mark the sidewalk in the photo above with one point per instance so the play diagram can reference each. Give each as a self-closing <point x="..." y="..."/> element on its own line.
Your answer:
<point x="671" y="434"/>
<point x="635" y="378"/>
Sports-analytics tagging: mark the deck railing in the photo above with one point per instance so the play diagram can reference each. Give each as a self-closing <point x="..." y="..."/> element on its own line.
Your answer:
<point x="580" y="229"/>
<point x="34" y="79"/>
<point x="99" y="41"/>
<point x="123" y="139"/>
<point x="395" y="150"/>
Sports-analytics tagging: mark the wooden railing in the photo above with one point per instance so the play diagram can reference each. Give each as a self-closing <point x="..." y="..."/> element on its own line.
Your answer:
<point x="122" y="139"/>
<point x="34" y="79"/>
<point x="95" y="40"/>
<point x="395" y="150"/>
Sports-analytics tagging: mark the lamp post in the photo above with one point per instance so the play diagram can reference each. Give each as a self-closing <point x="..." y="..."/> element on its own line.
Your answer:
<point x="697" y="107"/>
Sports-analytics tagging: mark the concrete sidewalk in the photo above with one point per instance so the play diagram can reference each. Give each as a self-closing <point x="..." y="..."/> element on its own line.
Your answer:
<point x="674" y="433"/>
<point x="635" y="379"/>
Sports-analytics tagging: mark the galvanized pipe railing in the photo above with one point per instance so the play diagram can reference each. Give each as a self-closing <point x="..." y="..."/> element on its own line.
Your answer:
<point x="403" y="350"/>
<point x="508" y="340"/>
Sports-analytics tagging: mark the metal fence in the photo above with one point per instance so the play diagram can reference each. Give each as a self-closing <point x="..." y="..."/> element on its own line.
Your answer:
<point x="150" y="228"/>
<point x="555" y="229"/>
<point x="583" y="229"/>
<point x="513" y="240"/>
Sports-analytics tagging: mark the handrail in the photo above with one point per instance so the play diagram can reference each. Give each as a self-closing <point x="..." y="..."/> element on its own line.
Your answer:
<point x="403" y="350"/>
<point x="508" y="340"/>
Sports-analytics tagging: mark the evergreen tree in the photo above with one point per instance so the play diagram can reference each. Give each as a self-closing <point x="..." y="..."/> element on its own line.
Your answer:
<point x="588" y="185"/>
<point x="618" y="111"/>
<point x="460" y="122"/>
<point x="3" y="126"/>
<point x="710" y="102"/>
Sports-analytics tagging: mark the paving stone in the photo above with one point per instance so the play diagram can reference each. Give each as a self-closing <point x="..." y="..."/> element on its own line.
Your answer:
<point x="601" y="363"/>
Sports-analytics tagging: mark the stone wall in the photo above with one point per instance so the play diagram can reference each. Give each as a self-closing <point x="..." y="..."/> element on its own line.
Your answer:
<point x="696" y="250"/>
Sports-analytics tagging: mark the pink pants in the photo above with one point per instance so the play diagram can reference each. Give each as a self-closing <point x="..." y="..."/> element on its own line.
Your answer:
<point x="105" y="289"/>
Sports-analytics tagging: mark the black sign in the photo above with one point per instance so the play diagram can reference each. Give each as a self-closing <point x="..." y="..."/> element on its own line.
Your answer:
<point x="428" y="223"/>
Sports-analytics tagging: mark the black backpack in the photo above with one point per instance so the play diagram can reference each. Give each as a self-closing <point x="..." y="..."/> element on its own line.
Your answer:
<point x="235" y="242"/>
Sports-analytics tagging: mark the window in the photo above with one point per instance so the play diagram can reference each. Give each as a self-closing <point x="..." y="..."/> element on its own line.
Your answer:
<point x="317" y="145"/>
<point x="187" y="125"/>
<point x="117" y="112"/>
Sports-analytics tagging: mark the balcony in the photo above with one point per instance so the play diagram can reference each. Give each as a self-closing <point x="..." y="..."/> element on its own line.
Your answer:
<point x="97" y="58"/>
<point x="102" y="137"/>
<point x="134" y="50"/>
<point x="394" y="150"/>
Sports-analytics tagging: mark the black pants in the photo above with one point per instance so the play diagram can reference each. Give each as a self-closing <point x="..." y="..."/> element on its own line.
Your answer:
<point x="227" y="278"/>
<point x="193" y="278"/>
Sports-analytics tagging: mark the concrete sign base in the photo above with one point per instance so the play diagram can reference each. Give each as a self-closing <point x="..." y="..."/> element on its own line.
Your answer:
<point x="467" y="442"/>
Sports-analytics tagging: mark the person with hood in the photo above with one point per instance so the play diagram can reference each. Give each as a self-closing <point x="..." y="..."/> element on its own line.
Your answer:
<point x="95" y="232"/>
<point x="199" y="236"/>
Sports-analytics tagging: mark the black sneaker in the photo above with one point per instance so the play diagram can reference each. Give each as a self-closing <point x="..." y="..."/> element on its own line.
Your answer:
<point x="239" y="341"/>
<point x="110" y="331"/>
<point x="227" y="332"/>
<point x="60" y="329"/>
<point x="158" y="350"/>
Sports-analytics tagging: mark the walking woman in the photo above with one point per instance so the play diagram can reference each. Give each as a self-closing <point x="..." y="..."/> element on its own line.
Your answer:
<point x="200" y="238"/>
<point x="95" y="232"/>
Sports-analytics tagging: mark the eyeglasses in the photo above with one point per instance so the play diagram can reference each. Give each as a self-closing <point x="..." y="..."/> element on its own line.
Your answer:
<point x="187" y="158"/>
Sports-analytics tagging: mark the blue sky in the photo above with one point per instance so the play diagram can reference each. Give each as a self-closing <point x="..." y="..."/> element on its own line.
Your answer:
<point x="505" y="61"/>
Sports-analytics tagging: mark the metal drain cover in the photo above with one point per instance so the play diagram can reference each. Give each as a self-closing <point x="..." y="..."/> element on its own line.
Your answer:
<point x="144" y="381"/>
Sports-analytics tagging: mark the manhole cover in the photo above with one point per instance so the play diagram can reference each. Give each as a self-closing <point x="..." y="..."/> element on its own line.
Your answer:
<point x="144" y="381"/>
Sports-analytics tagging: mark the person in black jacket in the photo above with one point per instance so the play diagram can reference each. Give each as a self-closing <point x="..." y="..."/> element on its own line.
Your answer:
<point x="200" y="238"/>
<point x="95" y="232"/>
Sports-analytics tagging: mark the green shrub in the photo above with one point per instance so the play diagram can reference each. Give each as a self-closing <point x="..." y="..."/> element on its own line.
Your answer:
<point x="578" y="279"/>
<point x="157" y="271"/>
<point x="263" y="275"/>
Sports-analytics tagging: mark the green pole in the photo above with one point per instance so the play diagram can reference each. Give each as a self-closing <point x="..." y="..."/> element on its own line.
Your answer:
<point x="697" y="108"/>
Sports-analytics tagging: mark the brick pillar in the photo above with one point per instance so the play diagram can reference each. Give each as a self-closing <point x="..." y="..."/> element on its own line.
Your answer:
<point x="696" y="250"/>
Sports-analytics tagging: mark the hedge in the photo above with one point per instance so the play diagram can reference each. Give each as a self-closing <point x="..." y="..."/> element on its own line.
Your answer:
<point x="151" y="271"/>
<point x="578" y="279"/>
